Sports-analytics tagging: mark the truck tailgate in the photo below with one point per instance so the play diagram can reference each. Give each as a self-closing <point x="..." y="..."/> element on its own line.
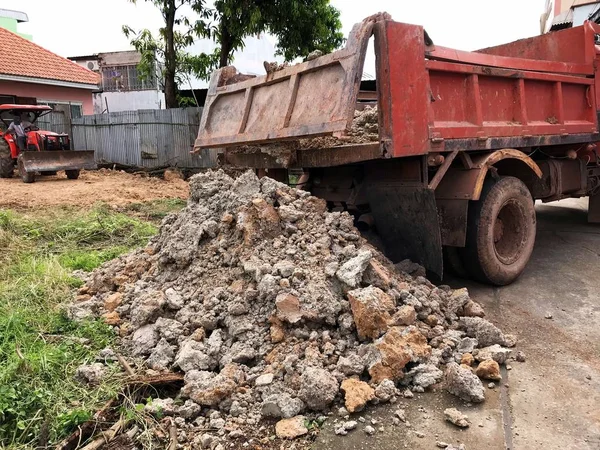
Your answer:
<point x="311" y="99"/>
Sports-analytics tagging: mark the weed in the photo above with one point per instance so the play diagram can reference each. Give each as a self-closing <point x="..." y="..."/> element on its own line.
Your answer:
<point x="40" y="348"/>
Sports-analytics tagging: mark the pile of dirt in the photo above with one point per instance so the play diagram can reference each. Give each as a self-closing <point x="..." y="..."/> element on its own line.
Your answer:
<point x="276" y="308"/>
<point x="364" y="129"/>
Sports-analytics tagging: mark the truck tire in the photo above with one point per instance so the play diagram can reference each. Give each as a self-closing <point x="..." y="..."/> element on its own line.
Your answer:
<point x="72" y="174"/>
<point x="501" y="229"/>
<point x="7" y="165"/>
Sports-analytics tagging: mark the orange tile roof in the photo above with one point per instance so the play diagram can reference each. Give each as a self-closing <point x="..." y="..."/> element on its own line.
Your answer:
<point x="23" y="58"/>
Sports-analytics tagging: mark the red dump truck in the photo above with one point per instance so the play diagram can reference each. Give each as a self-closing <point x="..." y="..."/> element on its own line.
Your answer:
<point x="466" y="141"/>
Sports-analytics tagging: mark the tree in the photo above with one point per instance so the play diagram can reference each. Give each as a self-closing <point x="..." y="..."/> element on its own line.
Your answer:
<point x="169" y="48"/>
<point x="300" y="26"/>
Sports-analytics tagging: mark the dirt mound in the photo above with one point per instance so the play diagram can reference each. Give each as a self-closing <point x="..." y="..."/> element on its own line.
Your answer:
<point x="110" y="186"/>
<point x="275" y="308"/>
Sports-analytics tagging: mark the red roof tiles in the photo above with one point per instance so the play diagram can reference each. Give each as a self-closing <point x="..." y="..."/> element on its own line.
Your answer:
<point x="23" y="58"/>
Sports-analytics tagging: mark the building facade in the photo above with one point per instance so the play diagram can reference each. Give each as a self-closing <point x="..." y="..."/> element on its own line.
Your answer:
<point x="560" y="14"/>
<point x="121" y="87"/>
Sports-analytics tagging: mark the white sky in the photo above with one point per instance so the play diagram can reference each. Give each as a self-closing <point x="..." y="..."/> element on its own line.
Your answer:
<point x="78" y="27"/>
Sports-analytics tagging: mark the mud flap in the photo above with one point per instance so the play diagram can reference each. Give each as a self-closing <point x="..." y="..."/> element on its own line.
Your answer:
<point x="50" y="161"/>
<point x="594" y="208"/>
<point x="407" y="220"/>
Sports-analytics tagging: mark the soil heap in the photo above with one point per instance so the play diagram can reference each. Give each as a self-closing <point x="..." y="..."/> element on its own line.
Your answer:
<point x="274" y="307"/>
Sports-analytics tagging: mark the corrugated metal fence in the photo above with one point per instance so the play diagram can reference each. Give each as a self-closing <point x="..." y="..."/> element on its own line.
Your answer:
<point x="146" y="138"/>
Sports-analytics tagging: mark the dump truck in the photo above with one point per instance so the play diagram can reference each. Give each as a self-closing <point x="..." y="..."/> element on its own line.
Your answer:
<point x="465" y="142"/>
<point x="44" y="152"/>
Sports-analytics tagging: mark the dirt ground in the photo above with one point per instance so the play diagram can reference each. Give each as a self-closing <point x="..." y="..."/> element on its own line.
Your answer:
<point x="113" y="187"/>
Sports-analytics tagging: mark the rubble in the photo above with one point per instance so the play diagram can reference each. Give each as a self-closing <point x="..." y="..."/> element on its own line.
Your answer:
<point x="274" y="307"/>
<point x="488" y="370"/>
<point x="457" y="418"/>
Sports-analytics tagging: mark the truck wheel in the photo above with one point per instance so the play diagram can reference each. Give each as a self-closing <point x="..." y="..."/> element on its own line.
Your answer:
<point x="500" y="232"/>
<point x="72" y="174"/>
<point x="7" y="165"/>
<point x="27" y="177"/>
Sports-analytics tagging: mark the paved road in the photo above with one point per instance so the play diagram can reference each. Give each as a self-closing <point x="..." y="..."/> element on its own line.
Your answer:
<point x="552" y="401"/>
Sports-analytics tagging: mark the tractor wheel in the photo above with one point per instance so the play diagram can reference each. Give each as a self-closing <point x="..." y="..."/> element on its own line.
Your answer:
<point x="7" y="165"/>
<point x="27" y="177"/>
<point x="72" y="174"/>
<point x="501" y="230"/>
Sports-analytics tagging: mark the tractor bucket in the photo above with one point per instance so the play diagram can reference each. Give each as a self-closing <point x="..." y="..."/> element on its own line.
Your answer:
<point x="52" y="161"/>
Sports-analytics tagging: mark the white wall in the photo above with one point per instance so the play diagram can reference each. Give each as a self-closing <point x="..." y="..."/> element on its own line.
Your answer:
<point x="128" y="101"/>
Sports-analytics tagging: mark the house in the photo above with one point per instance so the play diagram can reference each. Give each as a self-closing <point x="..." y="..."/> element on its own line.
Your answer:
<point x="9" y="19"/>
<point x="30" y="74"/>
<point x="560" y="14"/>
<point x="121" y="87"/>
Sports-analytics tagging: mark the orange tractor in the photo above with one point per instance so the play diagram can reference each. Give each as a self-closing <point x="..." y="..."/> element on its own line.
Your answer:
<point x="40" y="151"/>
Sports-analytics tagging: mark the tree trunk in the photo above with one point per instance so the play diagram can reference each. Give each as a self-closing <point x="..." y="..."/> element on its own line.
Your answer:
<point x="226" y="45"/>
<point x="170" y="56"/>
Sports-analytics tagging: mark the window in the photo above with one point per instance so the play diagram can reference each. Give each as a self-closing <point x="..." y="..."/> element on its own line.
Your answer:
<point x="76" y="111"/>
<point x="7" y="99"/>
<point x="125" y="78"/>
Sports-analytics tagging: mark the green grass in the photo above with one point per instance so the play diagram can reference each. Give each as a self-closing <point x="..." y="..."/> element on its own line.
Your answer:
<point x="40" y="348"/>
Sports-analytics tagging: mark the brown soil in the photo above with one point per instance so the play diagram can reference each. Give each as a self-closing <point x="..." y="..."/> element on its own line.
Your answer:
<point x="113" y="187"/>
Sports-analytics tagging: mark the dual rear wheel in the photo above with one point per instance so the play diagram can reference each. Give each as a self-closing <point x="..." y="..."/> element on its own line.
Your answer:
<point x="501" y="228"/>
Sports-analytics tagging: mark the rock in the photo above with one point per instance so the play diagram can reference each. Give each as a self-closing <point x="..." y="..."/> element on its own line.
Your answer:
<point x="288" y="308"/>
<point x="495" y="352"/>
<point x="520" y="356"/>
<point x="441" y="444"/>
<point x="160" y="407"/>
<point x="491" y="385"/>
<point x="281" y="405"/>
<point x="146" y="308"/>
<point x="473" y="309"/>
<point x="406" y="315"/>
<point x="162" y="356"/>
<point x="377" y="275"/>
<point x="144" y="340"/>
<point x="464" y="384"/>
<point x="291" y="428"/>
<point x="454" y="416"/>
<point x="340" y="431"/>
<point x="548" y="316"/>
<point x="173" y="299"/>
<point x="510" y="340"/>
<point x="192" y="356"/>
<point x="385" y="390"/>
<point x="209" y="388"/>
<point x="396" y="349"/>
<point x="169" y="329"/>
<point x="467" y="359"/>
<point x="113" y="301"/>
<point x="401" y="415"/>
<point x="456" y="302"/>
<point x="408" y="393"/>
<point x="467" y="345"/>
<point x="285" y="268"/>
<point x="485" y="332"/>
<point x="488" y="370"/>
<point x="318" y="388"/>
<point x="343" y="412"/>
<point x="350" y="425"/>
<point x="351" y="271"/>
<point x="371" y="310"/>
<point x="356" y="394"/>
<point x="91" y="374"/>
<point x="353" y="364"/>
<point x="264" y="380"/>
<point x="111" y="318"/>
<point x="425" y="375"/>
<point x="419" y="434"/>
<point x="369" y="430"/>
<point x="189" y="410"/>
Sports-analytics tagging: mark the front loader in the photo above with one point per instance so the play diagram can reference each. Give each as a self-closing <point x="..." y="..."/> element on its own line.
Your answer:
<point x="45" y="152"/>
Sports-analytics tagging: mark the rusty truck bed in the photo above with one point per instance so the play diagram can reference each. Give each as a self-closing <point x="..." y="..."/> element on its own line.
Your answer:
<point x="534" y="92"/>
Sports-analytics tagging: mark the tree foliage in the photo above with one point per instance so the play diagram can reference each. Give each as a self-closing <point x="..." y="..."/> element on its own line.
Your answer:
<point x="300" y="27"/>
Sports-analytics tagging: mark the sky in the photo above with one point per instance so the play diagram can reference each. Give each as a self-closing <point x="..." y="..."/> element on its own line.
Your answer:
<point x="82" y="27"/>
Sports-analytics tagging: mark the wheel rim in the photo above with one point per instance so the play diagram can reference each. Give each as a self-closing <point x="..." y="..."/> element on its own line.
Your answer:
<point x="510" y="232"/>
